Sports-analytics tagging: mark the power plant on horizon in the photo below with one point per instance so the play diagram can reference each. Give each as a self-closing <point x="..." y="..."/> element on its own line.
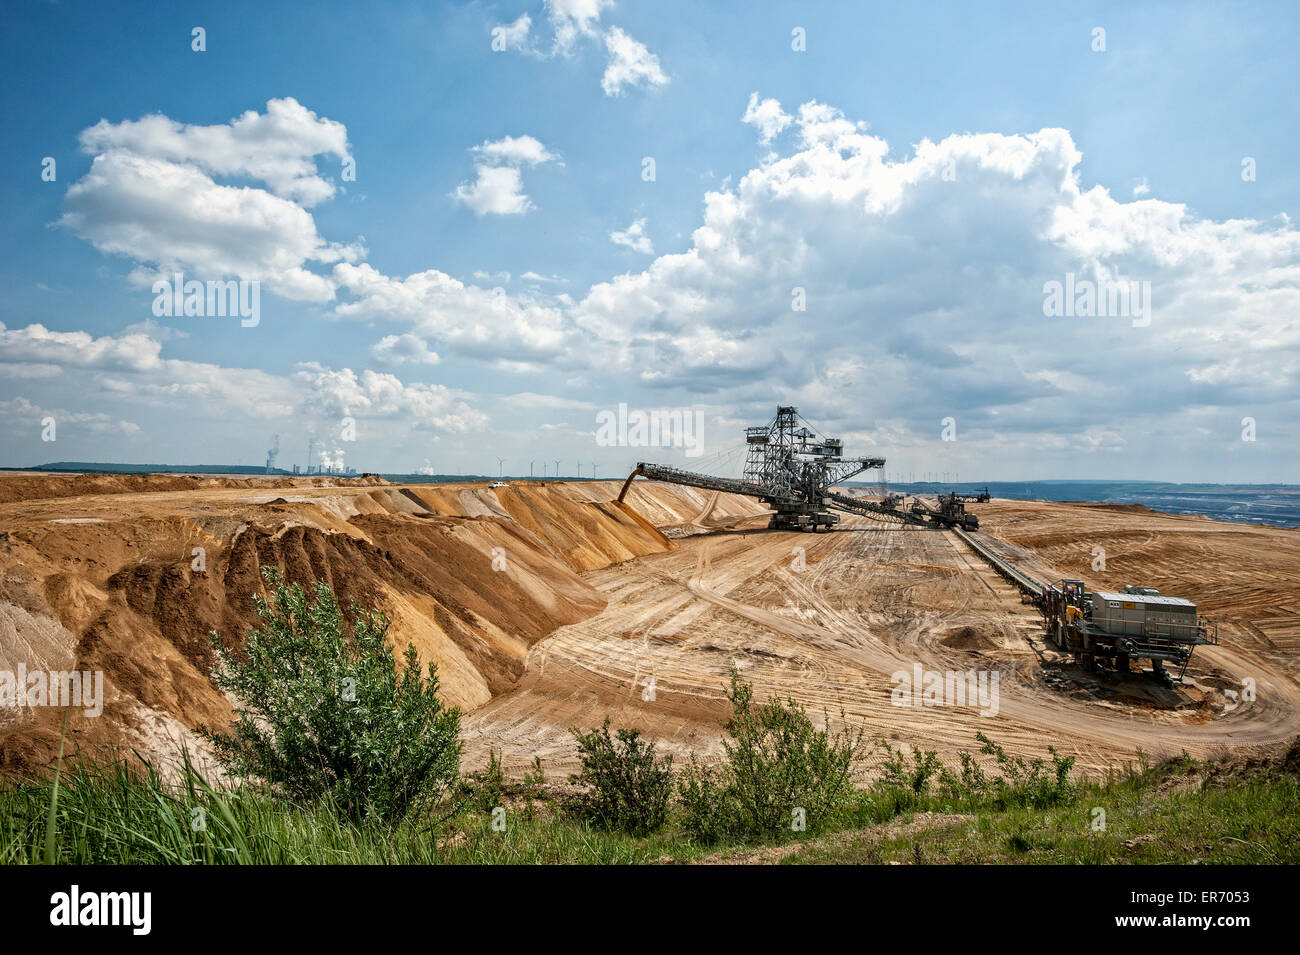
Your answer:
<point x="331" y="463"/>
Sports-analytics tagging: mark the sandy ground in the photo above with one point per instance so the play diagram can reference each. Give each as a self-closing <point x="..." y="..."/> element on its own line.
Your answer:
<point x="872" y="600"/>
<point x="639" y="613"/>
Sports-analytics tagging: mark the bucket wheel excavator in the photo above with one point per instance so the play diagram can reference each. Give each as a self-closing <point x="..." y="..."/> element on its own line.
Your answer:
<point x="791" y="468"/>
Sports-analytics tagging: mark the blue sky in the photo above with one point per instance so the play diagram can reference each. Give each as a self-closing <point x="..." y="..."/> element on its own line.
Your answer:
<point x="924" y="302"/>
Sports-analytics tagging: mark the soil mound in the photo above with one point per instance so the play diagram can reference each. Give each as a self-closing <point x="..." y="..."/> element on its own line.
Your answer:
<point x="133" y="586"/>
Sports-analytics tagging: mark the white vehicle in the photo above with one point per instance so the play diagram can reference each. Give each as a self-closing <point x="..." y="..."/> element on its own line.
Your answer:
<point x="498" y="484"/>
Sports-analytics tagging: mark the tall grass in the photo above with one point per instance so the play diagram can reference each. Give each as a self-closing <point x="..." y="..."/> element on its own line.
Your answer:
<point x="51" y="818"/>
<point x="122" y="814"/>
<point x="117" y="814"/>
<point x="131" y="815"/>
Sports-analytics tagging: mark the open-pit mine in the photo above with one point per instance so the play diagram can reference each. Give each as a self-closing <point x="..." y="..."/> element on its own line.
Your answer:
<point x="552" y="605"/>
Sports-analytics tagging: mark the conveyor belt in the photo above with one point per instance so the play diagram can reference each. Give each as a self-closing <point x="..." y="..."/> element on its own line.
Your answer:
<point x="1019" y="578"/>
<point x="659" y="472"/>
<point x="853" y="505"/>
<point x="842" y="502"/>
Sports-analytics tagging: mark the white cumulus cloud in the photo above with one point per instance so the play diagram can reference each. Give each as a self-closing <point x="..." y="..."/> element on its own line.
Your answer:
<point x="278" y="147"/>
<point x="634" y="237"/>
<point x="467" y="320"/>
<point x="334" y="393"/>
<point x="572" y="19"/>
<point x="151" y="196"/>
<point x="498" y="186"/>
<point x="924" y="277"/>
<point x="496" y="190"/>
<point x="403" y="349"/>
<point x="767" y="116"/>
<point x="630" y="64"/>
<point x="514" y="150"/>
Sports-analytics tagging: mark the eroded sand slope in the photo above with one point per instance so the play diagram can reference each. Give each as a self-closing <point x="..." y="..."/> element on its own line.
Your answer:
<point x="109" y="581"/>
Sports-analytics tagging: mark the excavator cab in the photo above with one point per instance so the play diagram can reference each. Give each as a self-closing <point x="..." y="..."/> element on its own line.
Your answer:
<point x="1075" y="592"/>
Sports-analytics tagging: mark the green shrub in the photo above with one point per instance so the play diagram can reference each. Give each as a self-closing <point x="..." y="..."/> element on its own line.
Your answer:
<point x="777" y="763"/>
<point x="1027" y="782"/>
<point x="970" y="782"/>
<point x="897" y="773"/>
<point x="324" y="717"/>
<point x="904" y="781"/>
<point x="533" y="788"/>
<point x="485" y="790"/>
<point x="707" y="808"/>
<point x="627" y="786"/>
<point x="904" y="786"/>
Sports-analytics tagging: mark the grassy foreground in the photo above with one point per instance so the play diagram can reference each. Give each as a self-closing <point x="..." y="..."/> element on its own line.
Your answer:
<point x="1178" y="811"/>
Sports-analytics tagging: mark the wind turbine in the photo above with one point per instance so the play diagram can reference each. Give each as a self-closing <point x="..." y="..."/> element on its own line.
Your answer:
<point x="530" y="469"/>
<point x="500" y="464"/>
<point x="593" y="469"/>
<point x="557" y="469"/>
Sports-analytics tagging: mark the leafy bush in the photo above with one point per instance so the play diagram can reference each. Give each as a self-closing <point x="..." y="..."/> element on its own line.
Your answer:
<point x="533" y="788"/>
<point x="1026" y="782"/>
<point x="971" y="781"/>
<point x="1020" y="783"/>
<point x="897" y="773"/>
<point x="708" y="810"/>
<point x="903" y="781"/>
<point x="777" y="763"/>
<point x="627" y="786"/>
<point x="485" y="790"/>
<point x="324" y="717"/>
